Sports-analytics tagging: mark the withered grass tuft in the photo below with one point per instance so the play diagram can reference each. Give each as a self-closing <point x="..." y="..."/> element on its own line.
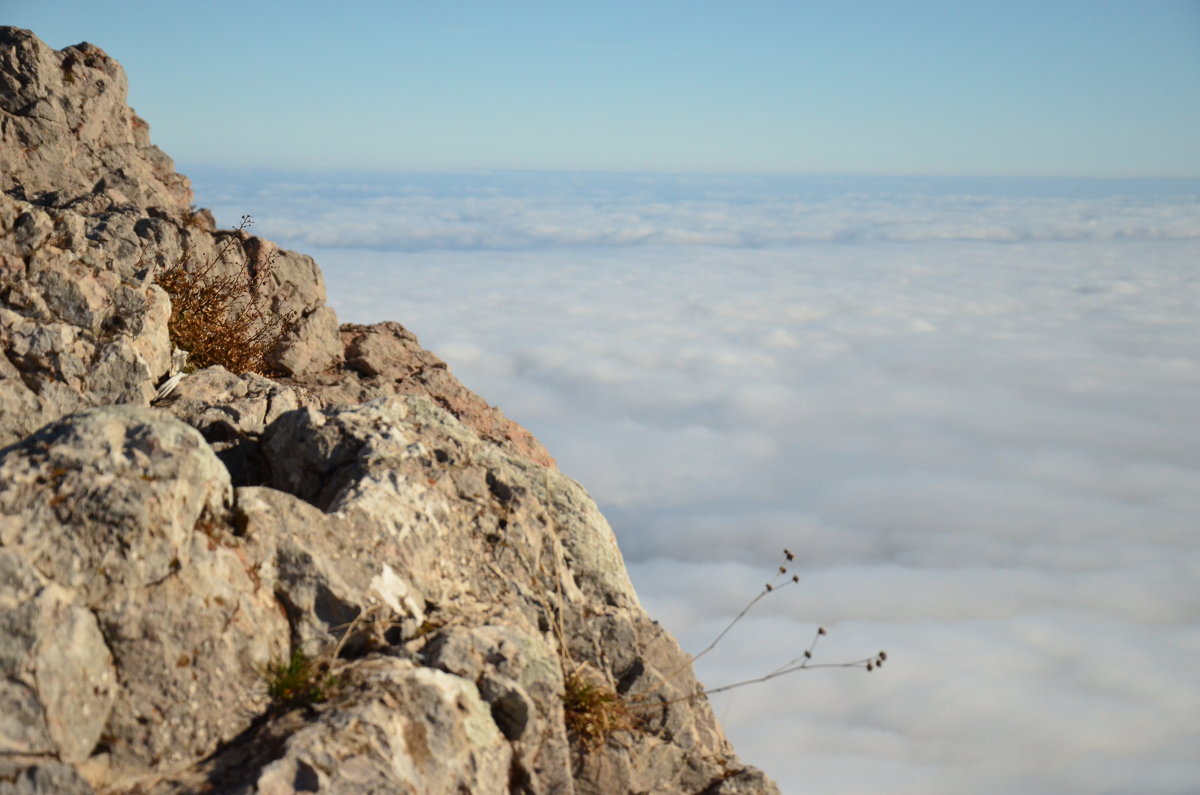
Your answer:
<point x="593" y="712"/>
<point x="222" y="316"/>
<point x="299" y="681"/>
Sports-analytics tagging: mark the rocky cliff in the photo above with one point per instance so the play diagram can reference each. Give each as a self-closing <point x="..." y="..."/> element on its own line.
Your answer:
<point x="353" y="576"/>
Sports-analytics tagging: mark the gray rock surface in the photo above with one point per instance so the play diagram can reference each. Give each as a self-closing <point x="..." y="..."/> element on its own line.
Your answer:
<point x="438" y="588"/>
<point x="41" y="778"/>
<point x="385" y="360"/>
<point x="144" y="632"/>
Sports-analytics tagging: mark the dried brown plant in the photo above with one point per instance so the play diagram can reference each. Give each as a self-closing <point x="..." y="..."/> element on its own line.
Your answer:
<point x="222" y="316"/>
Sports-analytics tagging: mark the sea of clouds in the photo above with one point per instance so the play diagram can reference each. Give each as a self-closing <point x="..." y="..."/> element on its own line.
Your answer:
<point x="970" y="407"/>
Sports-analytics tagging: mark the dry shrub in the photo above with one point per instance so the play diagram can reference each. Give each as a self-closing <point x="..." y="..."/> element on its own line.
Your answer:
<point x="222" y="317"/>
<point x="592" y="711"/>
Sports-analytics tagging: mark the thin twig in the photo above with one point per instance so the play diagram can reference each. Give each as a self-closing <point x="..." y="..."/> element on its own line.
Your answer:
<point x="869" y="663"/>
<point x="770" y="588"/>
<point x="806" y="657"/>
<point x="805" y="666"/>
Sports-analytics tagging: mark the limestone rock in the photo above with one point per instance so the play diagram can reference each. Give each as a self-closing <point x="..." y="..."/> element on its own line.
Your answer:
<point x="42" y="778"/>
<point x="438" y="736"/>
<point x="231" y="412"/>
<point x="365" y="523"/>
<point x="143" y="622"/>
<point x="68" y="131"/>
<point x="385" y="360"/>
<point x="311" y="347"/>
<point x="399" y="729"/>
<point x="59" y="674"/>
<point x="298" y="554"/>
<point x="90" y="211"/>
<point x="522" y="550"/>
<point x="108" y="499"/>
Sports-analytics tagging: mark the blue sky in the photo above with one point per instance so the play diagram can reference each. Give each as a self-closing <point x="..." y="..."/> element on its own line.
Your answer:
<point x="981" y="88"/>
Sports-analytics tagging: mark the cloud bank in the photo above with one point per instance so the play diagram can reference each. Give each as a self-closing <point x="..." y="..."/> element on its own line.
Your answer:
<point x="971" y="413"/>
<point x="518" y="212"/>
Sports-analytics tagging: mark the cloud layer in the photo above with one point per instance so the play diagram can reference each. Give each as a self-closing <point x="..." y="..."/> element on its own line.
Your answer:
<point x="971" y="413"/>
<point x="518" y="212"/>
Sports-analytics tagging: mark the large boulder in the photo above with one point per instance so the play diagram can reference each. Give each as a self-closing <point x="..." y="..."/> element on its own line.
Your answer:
<point x="514" y="578"/>
<point x="135" y="631"/>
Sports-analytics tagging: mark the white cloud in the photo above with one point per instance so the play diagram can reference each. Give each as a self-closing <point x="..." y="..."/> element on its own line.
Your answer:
<point x="498" y="212"/>
<point x="972" y="417"/>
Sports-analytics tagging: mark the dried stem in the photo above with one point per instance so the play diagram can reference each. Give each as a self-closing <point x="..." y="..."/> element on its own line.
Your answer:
<point x="801" y="663"/>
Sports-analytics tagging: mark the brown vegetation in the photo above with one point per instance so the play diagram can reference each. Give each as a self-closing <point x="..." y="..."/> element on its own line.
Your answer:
<point x="592" y="711"/>
<point x="299" y="681"/>
<point x="222" y="316"/>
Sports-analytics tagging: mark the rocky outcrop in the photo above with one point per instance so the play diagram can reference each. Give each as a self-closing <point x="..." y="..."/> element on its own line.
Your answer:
<point x="385" y="360"/>
<point x="355" y="577"/>
<point x="90" y="210"/>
